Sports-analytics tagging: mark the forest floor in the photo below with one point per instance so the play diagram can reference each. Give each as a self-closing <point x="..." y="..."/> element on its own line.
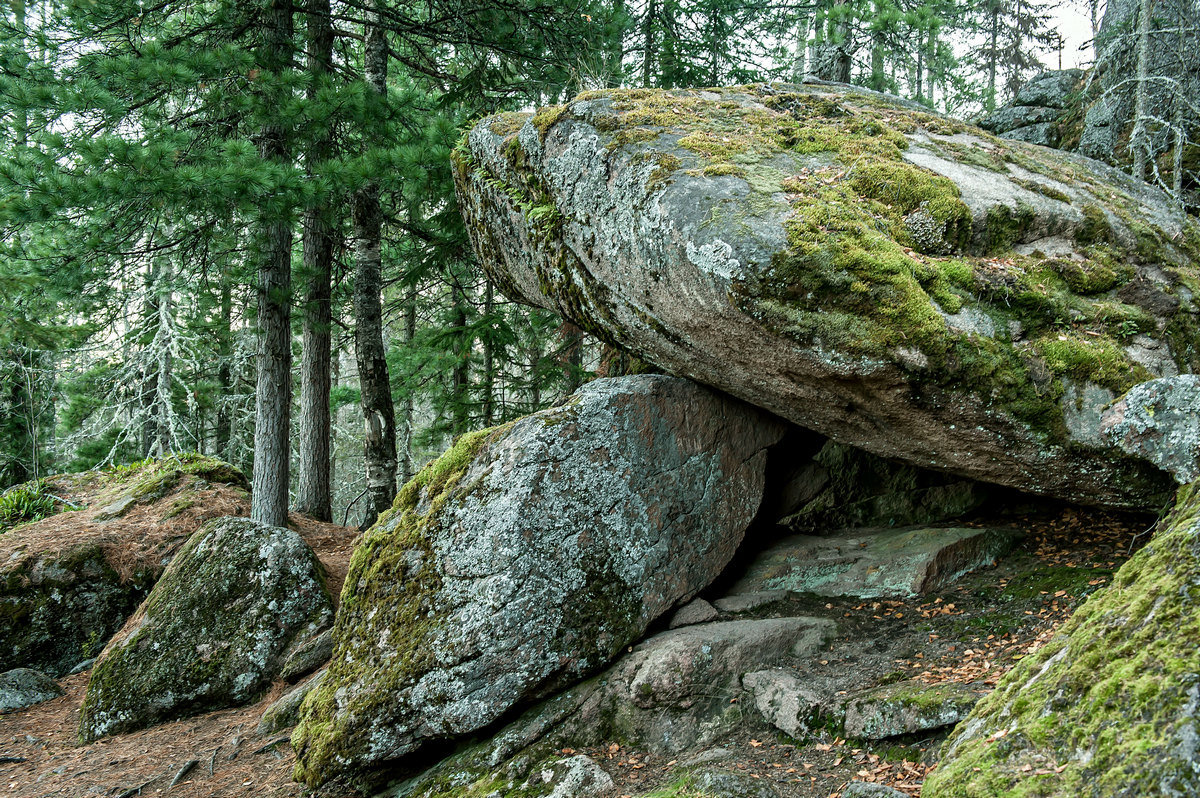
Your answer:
<point x="971" y="633"/>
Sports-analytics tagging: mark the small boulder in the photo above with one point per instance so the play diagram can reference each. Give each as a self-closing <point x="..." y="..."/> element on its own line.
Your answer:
<point x="1049" y="89"/>
<point x="578" y="776"/>
<point x="876" y="563"/>
<point x="694" y="612"/>
<point x="284" y="712"/>
<point x="24" y="687"/>
<point x="784" y="700"/>
<point x="678" y="666"/>
<point x="308" y="656"/>
<point x="1044" y="134"/>
<point x="1160" y="421"/>
<point x="213" y="633"/>
<point x="529" y="556"/>
<point x="718" y="783"/>
<point x="907" y="707"/>
<point x="1014" y="117"/>
<point x="865" y="789"/>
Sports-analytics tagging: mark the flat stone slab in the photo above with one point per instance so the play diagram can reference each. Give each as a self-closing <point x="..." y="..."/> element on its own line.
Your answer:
<point x="906" y="708"/>
<point x="875" y="563"/>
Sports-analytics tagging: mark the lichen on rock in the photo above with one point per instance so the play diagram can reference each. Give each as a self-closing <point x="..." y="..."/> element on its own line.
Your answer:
<point x="213" y="632"/>
<point x="898" y="281"/>
<point x="1109" y="705"/>
<point x="68" y="582"/>
<point x="527" y="557"/>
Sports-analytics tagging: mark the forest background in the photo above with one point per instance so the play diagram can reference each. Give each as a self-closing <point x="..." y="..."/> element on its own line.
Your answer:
<point x="228" y="216"/>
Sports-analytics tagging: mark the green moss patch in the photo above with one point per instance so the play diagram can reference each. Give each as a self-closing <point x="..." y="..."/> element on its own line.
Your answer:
<point x="1108" y="705"/>
<point x="391" y="566"/>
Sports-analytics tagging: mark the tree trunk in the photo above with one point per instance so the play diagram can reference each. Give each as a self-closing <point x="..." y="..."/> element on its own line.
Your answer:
<point x="573" y="363"/>
<point x="313" y="486"/>
<point x="1139" y="138"/>
<point x="648" y="43"/>
<point x="407" y="469"/>
<point x="993" y="57"/>
<point x="272" y="414"/>
<point x="165" y="423"/>
<point x="224" y="424"/>
<point x="800" y="60"/>
<point x="831" y="54"/>
<point x="460" y="378"/>
<point x="379" y="414"/>
<point x="489" y="356"/>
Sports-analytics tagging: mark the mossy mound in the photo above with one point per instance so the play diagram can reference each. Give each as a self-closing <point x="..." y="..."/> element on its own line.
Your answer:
<point x="896" y="280"/>
<point x="154" y="478"/>
<point x="69" y="581"/>
<point x="1108" y="706"/>
<point x="213" y="632"/>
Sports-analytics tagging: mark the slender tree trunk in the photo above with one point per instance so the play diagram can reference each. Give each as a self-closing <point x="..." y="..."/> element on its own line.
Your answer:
<point x="224" y="423"/>
<point x="1139" y="138"/>
<point x="272" y="416"/>
<point x="648" y="43"/>
<point x="313" y="486"/>
<point x="1177" y="155"/>
<point x="573" y="362"/>
<point x="489" y="356"/>
<point x="379" y="414"/>
<point x="800" y="60"/>
<point x="407" y="469"/>
<point x="165" y="423"/>
<point x="993" y="57"/>
<point x="461" y="376"/>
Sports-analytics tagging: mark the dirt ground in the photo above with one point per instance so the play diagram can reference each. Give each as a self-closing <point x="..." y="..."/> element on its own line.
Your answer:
<point x="972" y="633"/>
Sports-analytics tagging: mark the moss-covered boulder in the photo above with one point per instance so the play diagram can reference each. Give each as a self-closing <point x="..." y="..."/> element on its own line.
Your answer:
<point x="906" y="708"/>
<point x="68" y="582"/>
<point x="526" y="557"/>
<point x="1109" y="705"/>
<point x="213" y="632"/>
<point x="898" y="281"/>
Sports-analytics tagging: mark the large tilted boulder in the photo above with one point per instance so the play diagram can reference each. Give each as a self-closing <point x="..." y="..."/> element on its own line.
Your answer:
<point x="214" y="632"/>
<point x="900" y="282"/>
<point x="1109" y="705"/>
<point x="69" y="582"/>
<point x="526" y="557"/>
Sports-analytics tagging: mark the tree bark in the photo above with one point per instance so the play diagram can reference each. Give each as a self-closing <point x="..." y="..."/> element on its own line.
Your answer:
<point x="224" y="423"/>
<point x="379" y="414"/>
<point x="407" y="469"/>
<point x="1139" y="137"/>
<point x="272" y="412"/>
<point x="800" y="61"/>
<point x="313" y="496"/>
<point x="460" y="377"/>
<point x="489" y="357"/>
<point x="648" y="43"/>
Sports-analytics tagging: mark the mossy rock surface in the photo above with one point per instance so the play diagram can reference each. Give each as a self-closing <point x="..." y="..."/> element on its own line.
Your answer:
<point x="1108" y="706"/>
<point x="525" y="558"/>
<point x="896" y="280"/>
<point x="69" y="582"/>
<point x="213" y="632"/>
